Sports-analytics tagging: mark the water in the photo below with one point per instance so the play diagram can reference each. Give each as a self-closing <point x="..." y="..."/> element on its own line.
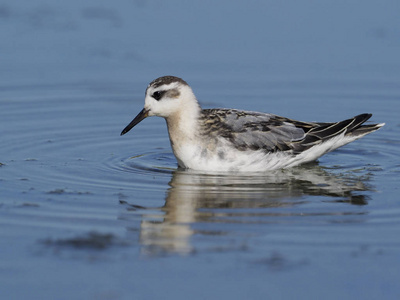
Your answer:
<point x="85" y="213"/>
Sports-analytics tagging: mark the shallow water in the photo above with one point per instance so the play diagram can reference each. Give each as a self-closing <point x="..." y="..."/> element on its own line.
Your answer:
<point x="85" y="213"/>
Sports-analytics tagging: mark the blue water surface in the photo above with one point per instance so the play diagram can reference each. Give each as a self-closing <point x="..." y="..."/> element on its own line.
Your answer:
<point x="87" y="214"/>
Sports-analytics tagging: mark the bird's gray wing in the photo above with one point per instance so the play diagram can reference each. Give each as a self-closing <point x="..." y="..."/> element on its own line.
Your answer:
<point x="254" y="131"/>
<point x="259" y="131"/>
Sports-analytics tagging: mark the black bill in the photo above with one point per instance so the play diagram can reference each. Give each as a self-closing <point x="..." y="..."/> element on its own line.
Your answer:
<point x="142" y="115"/>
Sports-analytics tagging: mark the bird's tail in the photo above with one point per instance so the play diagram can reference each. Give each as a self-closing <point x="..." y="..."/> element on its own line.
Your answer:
<point x="350" y="130"/>
<point x="360" y="130"/>
<point x="352" y="127"/>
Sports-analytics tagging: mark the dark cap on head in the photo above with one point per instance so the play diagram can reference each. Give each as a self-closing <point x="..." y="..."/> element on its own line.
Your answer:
<point x="166" y="80"/>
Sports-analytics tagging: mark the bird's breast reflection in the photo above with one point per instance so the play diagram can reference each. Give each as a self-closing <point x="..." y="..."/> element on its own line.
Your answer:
<point x="194" y="201"/>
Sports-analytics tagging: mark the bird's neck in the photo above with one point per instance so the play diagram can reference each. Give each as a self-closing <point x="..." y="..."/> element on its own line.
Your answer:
<point x="183" y="126"/>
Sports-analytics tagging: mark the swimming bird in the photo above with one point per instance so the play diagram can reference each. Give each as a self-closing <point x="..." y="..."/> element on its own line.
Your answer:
<point x="234" y="140"/>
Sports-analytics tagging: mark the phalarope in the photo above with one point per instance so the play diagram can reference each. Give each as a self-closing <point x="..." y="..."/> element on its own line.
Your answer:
<point x="235" y="140"/>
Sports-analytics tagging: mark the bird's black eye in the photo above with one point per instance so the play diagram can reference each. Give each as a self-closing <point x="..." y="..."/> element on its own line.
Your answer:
<point x="157" y="95"/>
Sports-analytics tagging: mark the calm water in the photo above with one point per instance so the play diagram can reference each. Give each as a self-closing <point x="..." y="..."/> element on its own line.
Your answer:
<point x="87" y="214"/>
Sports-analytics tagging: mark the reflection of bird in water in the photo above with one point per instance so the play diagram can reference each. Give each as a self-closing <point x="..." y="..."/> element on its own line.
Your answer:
<point x="234" y="140"/>
<point x="201" y="198"/>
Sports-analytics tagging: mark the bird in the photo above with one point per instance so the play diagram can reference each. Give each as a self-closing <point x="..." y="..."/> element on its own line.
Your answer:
<point x="231" y="140"/>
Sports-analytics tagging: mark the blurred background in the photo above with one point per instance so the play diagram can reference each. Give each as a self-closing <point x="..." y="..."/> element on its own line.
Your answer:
<point x="225" y="42"/>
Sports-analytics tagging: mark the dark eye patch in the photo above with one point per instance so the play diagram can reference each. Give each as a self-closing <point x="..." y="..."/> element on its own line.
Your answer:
<point x="158" y="95"/>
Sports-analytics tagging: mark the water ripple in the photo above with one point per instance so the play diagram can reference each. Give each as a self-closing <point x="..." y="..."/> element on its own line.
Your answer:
<point x="70" y="163"/>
